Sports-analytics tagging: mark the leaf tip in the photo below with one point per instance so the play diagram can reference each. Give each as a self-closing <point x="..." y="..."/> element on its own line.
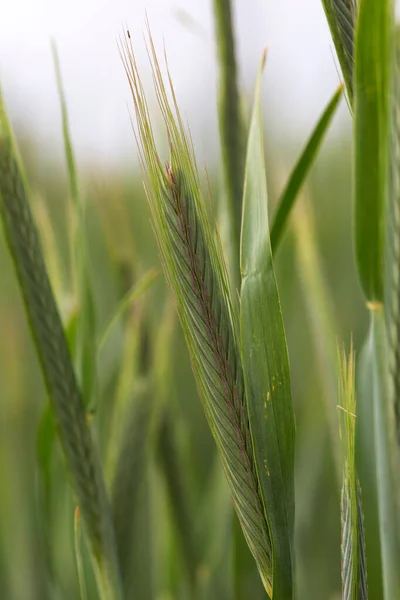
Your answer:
<point x="264" y="57"/>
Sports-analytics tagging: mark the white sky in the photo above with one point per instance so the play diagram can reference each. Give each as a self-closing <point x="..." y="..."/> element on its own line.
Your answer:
<point x="300" y="75"/>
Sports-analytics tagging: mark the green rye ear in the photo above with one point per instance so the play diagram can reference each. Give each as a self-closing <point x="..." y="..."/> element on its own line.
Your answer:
<point x="194" y="266"/>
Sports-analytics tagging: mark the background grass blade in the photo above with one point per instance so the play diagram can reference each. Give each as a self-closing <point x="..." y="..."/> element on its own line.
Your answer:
<point x="371" y="139"/>
<point x="321" y="315"/>
<point x="86" y="320"/>
<point x="178" y="498"/>
<point x="354" y="572"/>
<point x="300" y="171"/>
<point x="342" y="15"/>
<point x="52" y="349"/>
<point x="78" y="554"/>
<point x="266" y="364"/>
<point x="130" y="471"/>
<point x="194" y="266"/>
<point x="231" y="132"/>
<point x="126" y="302"/>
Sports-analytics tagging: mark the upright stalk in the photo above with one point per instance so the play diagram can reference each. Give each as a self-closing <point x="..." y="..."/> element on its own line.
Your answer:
<point x="231" y="132"/>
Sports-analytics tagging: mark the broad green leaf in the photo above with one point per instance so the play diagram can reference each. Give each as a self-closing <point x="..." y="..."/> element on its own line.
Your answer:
<point x="371" y="133"/>
<point x="341" y="16"/>
<point x="266" y="364"/>
<point x="354" y="572"/>
<point x="301" y="170"/>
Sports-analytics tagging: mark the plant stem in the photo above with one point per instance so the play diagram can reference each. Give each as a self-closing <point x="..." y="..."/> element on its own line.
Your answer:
<point x="231" y="131"/>
<point x="388" y="517"/>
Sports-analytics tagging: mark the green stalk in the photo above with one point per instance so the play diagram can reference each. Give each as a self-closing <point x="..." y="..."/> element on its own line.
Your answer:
<point x="231" y="132"/>
<point x="386" y="477"/>
<point x="366" y="468"/>
<point x="51" y="345"/>
<point x="392" y="271"/>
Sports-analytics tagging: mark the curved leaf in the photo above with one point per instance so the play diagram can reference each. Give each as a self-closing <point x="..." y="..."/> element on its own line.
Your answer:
<point x="266" y="364"/>
<point x="301" y="170"/>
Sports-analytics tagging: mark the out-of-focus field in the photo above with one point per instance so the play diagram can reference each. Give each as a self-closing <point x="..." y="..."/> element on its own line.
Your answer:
<point x="37" y="557"/>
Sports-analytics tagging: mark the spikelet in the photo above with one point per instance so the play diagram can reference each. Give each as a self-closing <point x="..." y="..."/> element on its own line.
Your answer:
<point x="194" y="266"/>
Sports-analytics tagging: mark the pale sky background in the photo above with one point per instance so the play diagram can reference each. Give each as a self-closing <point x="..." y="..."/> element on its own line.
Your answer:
<point x="300" y="76"/>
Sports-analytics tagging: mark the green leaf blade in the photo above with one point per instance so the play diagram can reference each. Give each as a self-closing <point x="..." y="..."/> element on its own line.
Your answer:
<point x="266" y="365"/>
<point x="85" y="350"/>
<point x="301" y="170"/>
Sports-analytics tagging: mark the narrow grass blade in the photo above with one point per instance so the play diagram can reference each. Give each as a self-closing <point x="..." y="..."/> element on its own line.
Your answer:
<point x="86" y="330"/>
<point x="321" y="316"/>
<point x="178" y="495"/>
<point x="53" y="353"/>
<point x="78" y="554"/>
<point x="216" y="535"/>
<point x="141" y="415"/>
<point x="386" y="476"/>
<point x="194" y="266"/>
<point x="231" y="131"/>
<point x="300" y="171"/>
<point x="342" y="16"/>
<point x="266" y="363"/>
<point x="371" y="133"/>
<point x="69" y="153"/>
<point x="126" y="302"/>
<point x="354" y="570"/>
<point x="130" y="471"/>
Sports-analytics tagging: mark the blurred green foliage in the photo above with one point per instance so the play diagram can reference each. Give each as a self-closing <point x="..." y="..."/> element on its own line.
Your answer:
<point x="37" y="558"/>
